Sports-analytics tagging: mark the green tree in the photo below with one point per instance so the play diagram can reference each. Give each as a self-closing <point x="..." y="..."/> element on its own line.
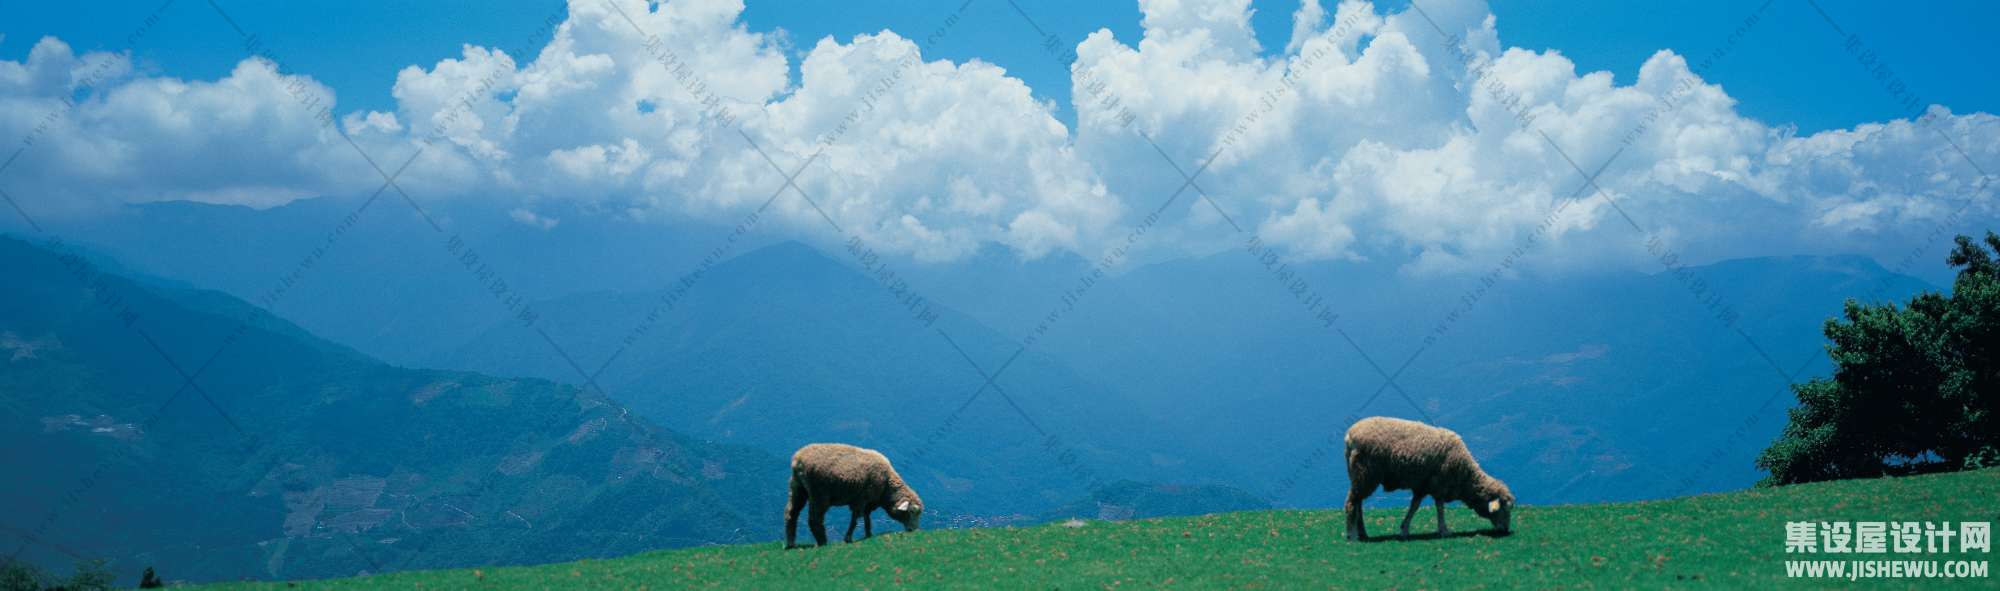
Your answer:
<point x="1914" y="389"/>
<point x="90" y="575"/>
<point x="20" y="576"/>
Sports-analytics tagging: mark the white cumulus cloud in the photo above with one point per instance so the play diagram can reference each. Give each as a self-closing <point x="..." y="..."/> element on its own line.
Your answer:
<point x="1417" y="136"/>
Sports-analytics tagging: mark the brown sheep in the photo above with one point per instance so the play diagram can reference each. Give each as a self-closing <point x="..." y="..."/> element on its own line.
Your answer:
<point x="828" y="474"/>
<point x="1429" y="461"/>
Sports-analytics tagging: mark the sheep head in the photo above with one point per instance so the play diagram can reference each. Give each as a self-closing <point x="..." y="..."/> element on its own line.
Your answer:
<point x="1495" y="503"/>
<point x="907" y="510"/>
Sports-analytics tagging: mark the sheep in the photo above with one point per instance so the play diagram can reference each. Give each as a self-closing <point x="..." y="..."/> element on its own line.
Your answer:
<point x="1429" y="461"/>
<point x="828" y="474"/>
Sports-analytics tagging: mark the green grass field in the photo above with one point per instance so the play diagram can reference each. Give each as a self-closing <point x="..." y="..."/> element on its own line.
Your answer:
<point x="1731" y="540"/>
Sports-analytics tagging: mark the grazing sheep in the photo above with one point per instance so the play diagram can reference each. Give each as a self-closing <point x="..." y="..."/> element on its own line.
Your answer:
<point x="1429" y="461"/>
<point x="828" y="474"/>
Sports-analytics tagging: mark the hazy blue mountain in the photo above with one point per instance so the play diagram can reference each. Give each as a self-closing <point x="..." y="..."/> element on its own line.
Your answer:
<point x="1580" y="386"/>
<point x="436" y="302"/>
<point x="1001" y="290"/>
<point x="327" y="462"/>
<point x="1584" y="385"/>
<point x="1574" y="387"/>
<point x="785" y="346"/>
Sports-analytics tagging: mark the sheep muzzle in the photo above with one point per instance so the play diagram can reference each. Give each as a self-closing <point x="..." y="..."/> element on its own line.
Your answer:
<point x="1503" y="520"/>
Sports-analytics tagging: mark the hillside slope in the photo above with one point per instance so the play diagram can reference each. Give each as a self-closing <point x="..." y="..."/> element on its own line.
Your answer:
<point x="1729" y="540"/>
<point x="289" y="456"/>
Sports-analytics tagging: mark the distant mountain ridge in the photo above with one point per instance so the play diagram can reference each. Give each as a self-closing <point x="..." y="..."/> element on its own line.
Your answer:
<point x="244" y="252"/>
<point x="784" y="346"/>
<point x="1207" y="371"/>
<point x="297" y="458"/>
<point x="1573" y="379"/>
<point x="1577" y="384"/>
<point x="1583" y="387"/>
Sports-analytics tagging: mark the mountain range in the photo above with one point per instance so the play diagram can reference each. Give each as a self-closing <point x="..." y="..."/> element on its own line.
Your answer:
<point x="384" y="412"/>
<point x="284" y="455"/>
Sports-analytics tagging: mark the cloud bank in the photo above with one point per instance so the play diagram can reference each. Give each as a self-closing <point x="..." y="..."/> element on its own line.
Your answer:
<point x="1415" y="136"/>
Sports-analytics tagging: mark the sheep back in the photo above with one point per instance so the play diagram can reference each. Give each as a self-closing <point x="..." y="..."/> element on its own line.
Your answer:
<point x="1402" y="454"/>
<point x="840" y="474"/>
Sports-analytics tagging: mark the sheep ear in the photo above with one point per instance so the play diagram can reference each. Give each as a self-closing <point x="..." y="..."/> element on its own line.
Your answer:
<point x="903" y="506"/>
<point x="1493" y="506"/>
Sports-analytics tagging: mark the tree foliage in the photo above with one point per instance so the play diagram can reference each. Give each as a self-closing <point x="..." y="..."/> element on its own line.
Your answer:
<point x="90" y="575"/>
<point x="1915" y="388"/>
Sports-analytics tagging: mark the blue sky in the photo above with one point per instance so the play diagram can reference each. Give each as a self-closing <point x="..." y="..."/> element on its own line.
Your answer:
<point x="1789" y="70"/>
<point x="1382" y="147"/>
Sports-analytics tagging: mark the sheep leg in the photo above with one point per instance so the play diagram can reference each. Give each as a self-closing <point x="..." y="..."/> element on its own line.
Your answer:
<point x="796" y="503"/>
<point x="1416" y="502"/>
<point x="1357" y="528"/>
<point x="1443" y="530"/>
<point x="817" y="520"/>
<point x="868" y="524"/>
<point x="853" y="518"/>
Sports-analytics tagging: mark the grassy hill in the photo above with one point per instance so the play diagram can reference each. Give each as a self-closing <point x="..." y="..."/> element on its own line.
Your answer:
<point x="1723" y="540"/>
